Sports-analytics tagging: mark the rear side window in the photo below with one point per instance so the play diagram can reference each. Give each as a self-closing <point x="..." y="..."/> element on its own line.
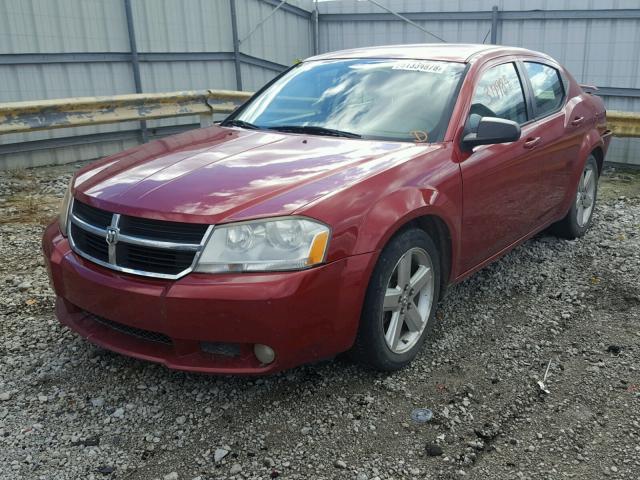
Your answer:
<point x="499" y="94"/>
<point x="548" y="92"/>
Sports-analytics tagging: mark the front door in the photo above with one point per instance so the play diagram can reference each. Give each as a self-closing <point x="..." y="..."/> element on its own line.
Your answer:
<point x="500" y="182"/>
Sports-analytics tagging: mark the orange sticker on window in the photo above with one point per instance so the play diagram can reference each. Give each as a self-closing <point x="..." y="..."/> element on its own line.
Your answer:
<point x="420" y="136"/>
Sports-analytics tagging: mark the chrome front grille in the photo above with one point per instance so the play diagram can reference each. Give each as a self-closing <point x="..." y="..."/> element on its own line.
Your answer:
<point x="141" y="246"/>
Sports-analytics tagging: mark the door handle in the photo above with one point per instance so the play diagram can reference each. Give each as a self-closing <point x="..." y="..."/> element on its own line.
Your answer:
<point x="577" y="121"/>
<point x="532" y="142"/>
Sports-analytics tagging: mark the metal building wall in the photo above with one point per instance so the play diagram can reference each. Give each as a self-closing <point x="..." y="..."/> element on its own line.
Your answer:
<point x="70" y="48"/>
<point x="64" y="48"/>
<point x="598" y="40"/>
<point x="35" y="32"/>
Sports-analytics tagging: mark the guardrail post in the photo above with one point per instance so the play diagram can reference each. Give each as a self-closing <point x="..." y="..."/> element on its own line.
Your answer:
<point x="495" y="22"/>
<point x="135" y="64"/>
<point x="206" y="120"/>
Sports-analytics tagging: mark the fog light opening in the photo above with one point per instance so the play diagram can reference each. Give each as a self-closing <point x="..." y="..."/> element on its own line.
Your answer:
<point x="219" y="348"/>
<point x="264" y="353"/>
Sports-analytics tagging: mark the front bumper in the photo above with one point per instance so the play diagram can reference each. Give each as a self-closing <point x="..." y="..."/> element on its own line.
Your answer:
<point x="304" y="316"/>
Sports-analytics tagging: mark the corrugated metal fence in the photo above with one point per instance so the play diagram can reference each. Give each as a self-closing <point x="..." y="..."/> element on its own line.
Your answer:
<point x="79" y="48"/>
<point x="64" y="48"/>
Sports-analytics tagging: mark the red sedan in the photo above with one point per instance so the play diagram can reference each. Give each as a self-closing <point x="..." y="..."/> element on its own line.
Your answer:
<point x="329" y="212"/>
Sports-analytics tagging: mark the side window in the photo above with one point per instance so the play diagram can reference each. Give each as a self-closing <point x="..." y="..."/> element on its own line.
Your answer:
<point x="499" y="94"/>
<point x="548" y="91"/>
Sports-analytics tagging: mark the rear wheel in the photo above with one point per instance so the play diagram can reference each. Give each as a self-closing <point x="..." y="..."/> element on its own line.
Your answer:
<point x="578" y="220"/>
<point x="400" y="302"/>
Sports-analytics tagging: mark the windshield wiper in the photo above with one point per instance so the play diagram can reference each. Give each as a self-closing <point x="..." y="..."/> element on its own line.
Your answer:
<point x="314" y="130"/>
<point x="240" y="123"/>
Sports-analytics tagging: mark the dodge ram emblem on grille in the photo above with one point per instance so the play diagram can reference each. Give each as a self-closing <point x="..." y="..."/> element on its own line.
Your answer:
<point x="112" y="235"/>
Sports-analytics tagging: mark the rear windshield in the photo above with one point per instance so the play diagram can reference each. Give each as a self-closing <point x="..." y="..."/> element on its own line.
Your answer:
<point x="406" y="100"/>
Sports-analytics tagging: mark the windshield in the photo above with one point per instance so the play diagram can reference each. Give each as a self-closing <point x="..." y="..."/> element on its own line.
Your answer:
<point x="405" y="100"/>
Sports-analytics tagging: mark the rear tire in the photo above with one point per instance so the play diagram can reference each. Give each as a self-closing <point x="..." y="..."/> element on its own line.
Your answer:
<point x="580" y="215"/>
<point x="400" y="303"/>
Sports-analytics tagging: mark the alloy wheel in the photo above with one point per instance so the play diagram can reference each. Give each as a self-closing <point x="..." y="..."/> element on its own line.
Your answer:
<point x="408" y="300"/>
<point x="586" y="195"/>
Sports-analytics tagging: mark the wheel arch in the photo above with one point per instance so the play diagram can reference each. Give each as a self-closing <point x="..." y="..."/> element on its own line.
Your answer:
<point x="598" y="152"/>
<point x="428" y="209"/>
<point x="592" y="144"/>
<point x="438" y="230"/>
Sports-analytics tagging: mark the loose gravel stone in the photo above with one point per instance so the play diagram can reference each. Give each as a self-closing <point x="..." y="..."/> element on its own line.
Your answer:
<point x="434" y="450"/>
<point x="219" y="454"/>
<point x="70" y="410"/>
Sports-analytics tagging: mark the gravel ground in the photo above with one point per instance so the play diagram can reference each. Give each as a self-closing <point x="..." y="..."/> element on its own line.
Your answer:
<point x="69" y="410"/>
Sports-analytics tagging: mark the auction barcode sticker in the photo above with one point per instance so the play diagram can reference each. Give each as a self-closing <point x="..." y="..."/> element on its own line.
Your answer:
<point x="418" y="66"/>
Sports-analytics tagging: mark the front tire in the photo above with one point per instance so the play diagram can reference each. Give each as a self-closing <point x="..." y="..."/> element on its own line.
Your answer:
<point x="400" y="302"/>
<point x="580" y="215"/>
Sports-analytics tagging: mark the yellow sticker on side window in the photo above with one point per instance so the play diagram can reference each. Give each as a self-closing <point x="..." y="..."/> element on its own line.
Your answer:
<point x="546" y="95"/>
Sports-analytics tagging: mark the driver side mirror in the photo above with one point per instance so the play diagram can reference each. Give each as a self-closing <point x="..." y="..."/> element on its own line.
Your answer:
<point x="491" y="130"/>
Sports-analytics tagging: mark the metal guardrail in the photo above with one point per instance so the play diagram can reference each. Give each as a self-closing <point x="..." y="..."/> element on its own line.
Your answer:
<point x="624" y="124"/>
<point x="18" y="117"/>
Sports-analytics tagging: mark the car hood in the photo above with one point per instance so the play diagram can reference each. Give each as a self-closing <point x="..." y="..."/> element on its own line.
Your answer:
<point x="220" y="174"/>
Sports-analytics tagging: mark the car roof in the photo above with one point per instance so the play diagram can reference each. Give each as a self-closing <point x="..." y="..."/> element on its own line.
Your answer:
<point x="453" y="52"/>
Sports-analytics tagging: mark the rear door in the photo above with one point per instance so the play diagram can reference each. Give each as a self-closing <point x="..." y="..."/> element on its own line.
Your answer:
<point x="557" y="137"/>
<point x="501" y="185"/>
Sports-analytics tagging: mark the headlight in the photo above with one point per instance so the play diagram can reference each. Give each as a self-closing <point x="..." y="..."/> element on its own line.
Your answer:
<point x="265" y="245"/>
<point x="63" y="218"/>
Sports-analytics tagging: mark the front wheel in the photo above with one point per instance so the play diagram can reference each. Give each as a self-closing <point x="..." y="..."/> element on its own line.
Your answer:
<point x="400" y="302"/>
<point x="578" y="220"/>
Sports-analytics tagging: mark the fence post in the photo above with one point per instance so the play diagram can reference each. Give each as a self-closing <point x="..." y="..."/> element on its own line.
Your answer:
<point x="316" y="30"/>
<point x="135" y="64"/>
<point x="236" y="44"/>
<point x="495" y="21"/>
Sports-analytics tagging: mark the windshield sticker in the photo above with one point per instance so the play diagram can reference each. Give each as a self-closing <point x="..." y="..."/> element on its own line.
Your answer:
<point x="417" y="66"/>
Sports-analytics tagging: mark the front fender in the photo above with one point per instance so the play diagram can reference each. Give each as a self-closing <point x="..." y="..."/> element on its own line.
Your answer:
<point x="390" y="213"/>
<point x="365" y="213"/>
